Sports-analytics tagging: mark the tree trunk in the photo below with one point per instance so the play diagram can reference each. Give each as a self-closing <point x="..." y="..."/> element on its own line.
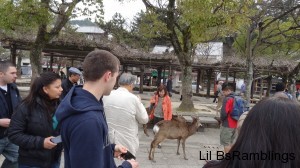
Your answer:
<point x="19" y="60"/>
<point x="249" y="79"/>
<point x="187" y="103"/>
<point x="35" y="59"/>
<point x="269" y="79"/>
<point x="292" y="88"/>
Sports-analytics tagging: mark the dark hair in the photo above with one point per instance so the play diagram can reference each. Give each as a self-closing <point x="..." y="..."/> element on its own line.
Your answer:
<point x="4" y="65"/>
<point x="226" y="86"/>
<point x="271" y="127"/>
<point x="97" y="62"/>
<point x="36" y="92"/>
<point x="160" y="88"/>
<point x="279" y="87"/>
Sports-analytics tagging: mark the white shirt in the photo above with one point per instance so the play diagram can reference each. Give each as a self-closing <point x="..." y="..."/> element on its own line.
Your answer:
<point x="124" y="111"/>
<point x="4" y="87"/>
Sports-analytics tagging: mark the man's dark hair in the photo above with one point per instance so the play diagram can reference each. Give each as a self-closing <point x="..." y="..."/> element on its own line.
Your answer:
<point x="97" y="62"/>
<point x="279" y="87"/>
<point x="4" y="65"/>
<point x="226" y="86"/>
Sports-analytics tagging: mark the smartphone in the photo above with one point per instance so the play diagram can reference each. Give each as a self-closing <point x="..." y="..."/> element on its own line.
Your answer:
<point x="127" y="156"/>
<point x="56" y="139"/>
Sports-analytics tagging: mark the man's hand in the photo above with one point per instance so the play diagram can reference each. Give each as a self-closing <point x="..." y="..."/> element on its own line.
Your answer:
<point x="48" y="144"/>
<point x="4" y="122"/>
<point x="119" y="149"/>
<point x="134" y="163"/>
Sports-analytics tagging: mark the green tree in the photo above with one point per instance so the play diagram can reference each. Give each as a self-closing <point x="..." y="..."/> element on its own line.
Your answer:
<point x="269" y="27"/>
<point x="44" y="17"/>
<point x="185" y="24"/>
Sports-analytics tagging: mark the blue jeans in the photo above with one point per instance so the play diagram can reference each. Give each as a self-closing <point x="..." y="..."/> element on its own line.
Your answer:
<point x="10" y="152"/>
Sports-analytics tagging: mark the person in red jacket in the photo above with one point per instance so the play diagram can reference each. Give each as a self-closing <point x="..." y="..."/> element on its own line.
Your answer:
<point x="229" y="125"/>
<point x="162" y="105"/>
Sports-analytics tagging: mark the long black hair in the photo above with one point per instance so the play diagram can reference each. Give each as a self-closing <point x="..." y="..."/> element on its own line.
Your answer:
<point x="37" y="94"/>
<point x="269" y="137"/>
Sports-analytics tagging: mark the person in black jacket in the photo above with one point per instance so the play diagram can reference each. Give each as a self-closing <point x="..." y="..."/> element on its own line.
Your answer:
<point x="33" y="124"/>
<point x="9" y="99"/>
<point x="67" y="84"/>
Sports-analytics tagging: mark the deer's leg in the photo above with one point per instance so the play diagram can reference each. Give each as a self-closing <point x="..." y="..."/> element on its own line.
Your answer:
<point x="151" y="151"/>
<point x="145" y="130"/>
<point x="178" y="144"/>
<point x="154" y="144"/>
<point x="183" y="148"/>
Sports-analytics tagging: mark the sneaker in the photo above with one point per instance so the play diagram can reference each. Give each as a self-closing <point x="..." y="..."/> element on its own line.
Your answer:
<point x="159" y="146"/>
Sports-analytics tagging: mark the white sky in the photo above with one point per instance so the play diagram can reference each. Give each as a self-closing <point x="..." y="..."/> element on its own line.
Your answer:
<point x="128" y="8"/>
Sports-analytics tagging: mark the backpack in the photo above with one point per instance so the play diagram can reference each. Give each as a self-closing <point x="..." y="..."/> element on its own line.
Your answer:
<point x="239" y="106"/>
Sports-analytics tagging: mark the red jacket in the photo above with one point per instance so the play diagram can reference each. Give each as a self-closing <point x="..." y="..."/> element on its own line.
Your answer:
<point x="166" y="105"/>
<point x="227" y="108"/>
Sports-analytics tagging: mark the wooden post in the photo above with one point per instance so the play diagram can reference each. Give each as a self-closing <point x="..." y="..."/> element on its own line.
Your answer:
<point x="158" y="76"/>
<point x="51" y="62"/>
<point x="125" y="68"/>
<point x="13" y="53"/>
<point x="164" y="76"/>
<point x="142" y="68"/>
<point x="198" y="80"/>
<point x="261" y="88"/>
<point x="227" y="74"/>
<point x="209" y="73"/>
<point x="201" y="80"/>
<point x="269" y="80"/>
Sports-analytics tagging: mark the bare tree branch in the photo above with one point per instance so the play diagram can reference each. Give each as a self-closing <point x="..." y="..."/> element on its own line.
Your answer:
<point x="280" y="16"/>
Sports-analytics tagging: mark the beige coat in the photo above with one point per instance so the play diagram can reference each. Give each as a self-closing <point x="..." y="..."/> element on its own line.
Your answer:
<point x="124" y="111"/>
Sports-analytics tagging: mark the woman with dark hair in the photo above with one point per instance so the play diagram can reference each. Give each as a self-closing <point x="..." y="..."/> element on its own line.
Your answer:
<point x="269" y="137"/>
<point x="33" y="124"/>
<point x="161" y="103"/>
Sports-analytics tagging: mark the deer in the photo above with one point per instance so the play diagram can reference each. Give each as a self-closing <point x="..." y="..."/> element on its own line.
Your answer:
<point x="177" y="128"/>
<point x="145" y="125"/>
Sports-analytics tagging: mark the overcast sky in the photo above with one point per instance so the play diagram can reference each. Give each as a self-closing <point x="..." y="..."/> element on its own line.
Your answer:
<point x="127" y="9"/>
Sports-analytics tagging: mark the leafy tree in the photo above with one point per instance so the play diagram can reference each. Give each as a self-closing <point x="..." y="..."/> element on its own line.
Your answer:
<point x="269" y="27"/>
<point x="44" y="18"/>
<point x="185" y="24"/>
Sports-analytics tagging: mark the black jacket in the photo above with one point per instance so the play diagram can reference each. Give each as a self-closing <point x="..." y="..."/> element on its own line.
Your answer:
<point x="28" y="129"/>
<point x="66" y="85"/>
<point x="4" y="110"/>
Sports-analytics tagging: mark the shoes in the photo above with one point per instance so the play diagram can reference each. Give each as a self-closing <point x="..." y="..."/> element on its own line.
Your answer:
<point x="159" y="146"/>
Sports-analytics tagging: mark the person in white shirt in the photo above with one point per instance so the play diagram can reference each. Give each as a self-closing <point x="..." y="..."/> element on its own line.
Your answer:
<point x="124" y="111"/>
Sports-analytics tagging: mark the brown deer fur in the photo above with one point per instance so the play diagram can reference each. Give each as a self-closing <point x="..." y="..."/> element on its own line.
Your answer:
<point x="176" y="128"/>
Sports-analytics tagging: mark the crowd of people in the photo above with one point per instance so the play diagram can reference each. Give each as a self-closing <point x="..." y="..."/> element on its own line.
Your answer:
<point x="97" y="123"/>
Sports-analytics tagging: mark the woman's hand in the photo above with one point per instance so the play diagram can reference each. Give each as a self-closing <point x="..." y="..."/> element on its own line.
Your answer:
<point x="119" y="149"/>
<point x="48" y="144"/>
